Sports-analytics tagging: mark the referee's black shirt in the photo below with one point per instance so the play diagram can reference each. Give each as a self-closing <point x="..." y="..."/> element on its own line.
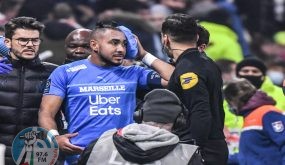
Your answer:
<point x="198" y="83"/>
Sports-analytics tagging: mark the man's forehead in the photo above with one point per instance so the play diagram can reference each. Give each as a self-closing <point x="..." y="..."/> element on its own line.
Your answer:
<point x="26" y="33"/>
<point x="250" y="68"/>
<point x="78" y="36"/>
<point x="114" y="34"/>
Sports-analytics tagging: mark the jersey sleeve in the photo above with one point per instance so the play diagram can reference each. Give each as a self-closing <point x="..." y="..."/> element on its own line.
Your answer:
<point x="196" y="99"/>
<point x="273" y="123"/>
<point x="57" y="83"/>
<point x="149" y="79"/>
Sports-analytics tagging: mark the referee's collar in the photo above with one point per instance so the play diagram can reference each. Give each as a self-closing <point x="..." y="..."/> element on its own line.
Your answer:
<point x="190" y="50"/>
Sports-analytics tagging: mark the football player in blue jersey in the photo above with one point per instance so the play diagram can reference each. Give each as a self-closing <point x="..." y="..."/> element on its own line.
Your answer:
<point x="99" y="93"/>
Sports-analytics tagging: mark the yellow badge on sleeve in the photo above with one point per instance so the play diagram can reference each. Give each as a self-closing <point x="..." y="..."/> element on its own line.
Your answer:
<point x="188" y="80"/>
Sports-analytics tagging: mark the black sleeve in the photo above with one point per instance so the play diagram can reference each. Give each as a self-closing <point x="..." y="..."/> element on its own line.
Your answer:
<point x="84" y="156"/>
<point x="154" y="80"/>
<point x="196" y="98"/>
<point x="196" y="158"/>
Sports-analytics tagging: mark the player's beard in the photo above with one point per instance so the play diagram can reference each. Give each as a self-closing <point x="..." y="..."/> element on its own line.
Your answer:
<point x="166" y="51"/>
<point x="107" y="61"/>
<point x="17" y="54"/>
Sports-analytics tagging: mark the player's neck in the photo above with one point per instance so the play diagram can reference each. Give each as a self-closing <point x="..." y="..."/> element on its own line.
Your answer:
<point x="94" y="59"/>
<point x="178" y="48"/>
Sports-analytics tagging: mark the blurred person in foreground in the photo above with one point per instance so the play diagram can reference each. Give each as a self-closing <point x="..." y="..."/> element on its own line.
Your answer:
<point x="99" y="93"/>
<point x="197" y="81"/>
<point x="262" y="140"/>
<point x="150" y="141"/>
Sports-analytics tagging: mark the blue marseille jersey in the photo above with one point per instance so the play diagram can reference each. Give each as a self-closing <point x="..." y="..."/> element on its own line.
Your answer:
<point x="97" y="98"/>
<point x="4" y="51"/>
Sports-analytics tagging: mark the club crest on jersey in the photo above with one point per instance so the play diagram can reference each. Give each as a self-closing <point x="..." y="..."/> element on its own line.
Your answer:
<point x="277" y="126"/>
<point x="188" y="80"/>
<point x="47" y="87"/>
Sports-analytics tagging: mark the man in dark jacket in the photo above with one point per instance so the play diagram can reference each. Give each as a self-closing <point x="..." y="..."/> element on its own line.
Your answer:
<point x="198" y="82"/>
<point x="21" y="89"/>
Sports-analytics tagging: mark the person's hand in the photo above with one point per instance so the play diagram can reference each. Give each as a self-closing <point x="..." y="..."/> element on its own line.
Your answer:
<point x="65" y="145"/>
<point x="30" y="139"/>
<point x="5" y="67"/>
<point x="141" y="50"/>
<point x="132" y="46"/>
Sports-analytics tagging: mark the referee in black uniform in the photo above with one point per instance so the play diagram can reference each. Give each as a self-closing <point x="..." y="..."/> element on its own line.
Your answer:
<point x="198" y="82"/>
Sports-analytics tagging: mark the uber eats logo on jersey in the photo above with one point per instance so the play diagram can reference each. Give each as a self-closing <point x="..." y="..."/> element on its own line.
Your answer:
<point x="96" y="109"/>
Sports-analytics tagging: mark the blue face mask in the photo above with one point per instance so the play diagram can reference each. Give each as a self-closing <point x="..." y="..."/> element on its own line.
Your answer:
<point x="276" y="77"/>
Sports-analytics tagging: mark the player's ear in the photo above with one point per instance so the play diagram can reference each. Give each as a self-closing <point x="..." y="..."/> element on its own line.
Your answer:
<point x="94" y="45"/>
<point x="164" y="39"/>
<point x="8" y="42"/>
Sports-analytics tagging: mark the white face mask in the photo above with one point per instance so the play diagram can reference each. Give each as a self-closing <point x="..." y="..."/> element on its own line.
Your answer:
<point x="276" y="77"/>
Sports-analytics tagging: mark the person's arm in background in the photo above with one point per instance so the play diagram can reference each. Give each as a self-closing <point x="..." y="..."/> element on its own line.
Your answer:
<point x="5" y="66"/>
<point x="274" y="123"/>
<point x="164" y="69"/>
<point x="4" y="50"/>
<point x="233" y="159"/>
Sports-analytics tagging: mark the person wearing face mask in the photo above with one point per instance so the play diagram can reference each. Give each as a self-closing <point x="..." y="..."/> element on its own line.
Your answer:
<point x="276" y="71"/>
<point x="276" y="76"/>
<point x="254" y="70"/>
<point x="263" y="134"/>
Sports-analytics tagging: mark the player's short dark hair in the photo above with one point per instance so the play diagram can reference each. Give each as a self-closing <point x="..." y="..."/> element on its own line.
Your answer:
<point x="180" y="27"/>
<point x="102" y="26"/>
<point x="204" y="36"/>
<point x="22" y="23"/>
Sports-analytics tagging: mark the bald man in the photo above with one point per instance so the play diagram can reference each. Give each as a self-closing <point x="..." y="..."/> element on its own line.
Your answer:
<point x="77" y="45"/>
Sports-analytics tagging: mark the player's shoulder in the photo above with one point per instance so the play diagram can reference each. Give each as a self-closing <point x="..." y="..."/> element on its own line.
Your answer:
<point x="133" y="68"/>
<point x="74" y="66"/>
